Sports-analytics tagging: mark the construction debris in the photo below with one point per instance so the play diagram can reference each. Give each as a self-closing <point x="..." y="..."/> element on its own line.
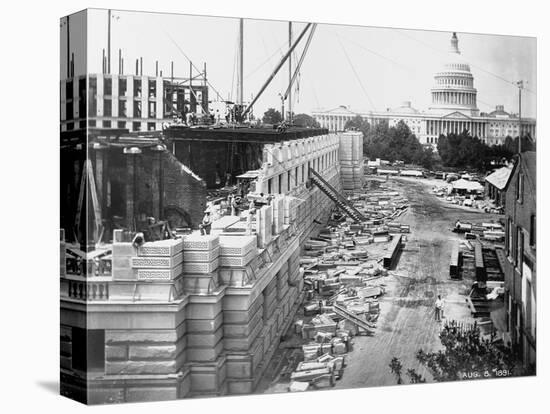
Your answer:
<point x="344" y="268"/>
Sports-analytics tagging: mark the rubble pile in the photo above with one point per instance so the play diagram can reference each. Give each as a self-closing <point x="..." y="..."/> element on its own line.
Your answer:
<point x="343" y="271"/>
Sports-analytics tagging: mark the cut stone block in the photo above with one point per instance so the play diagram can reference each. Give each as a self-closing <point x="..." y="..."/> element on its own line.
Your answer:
<point x="242" y="329"/>
<point x="200" y="242"/>
<point x="167" y="248"/>
<point x="204" y="354"/>
<point x="138" y="352"/>
<point x="159" y="274"/>
<point x="237" y="245"/>
<point x="205" y="339"/>
<point x="205" y="325"/>
<point x="140" y="367"/>
<point x="201" y="255"/>
<point x="145" y="262"/>
<point x="237" y="261"/>
<point x="204" y="306"/>
<point x="114" y="352"/>
<point x="242" y="343"/>
<point x="309" y="375"/>
<point x="208" y="377"/>
<point x="141" y="336"/>
<point x="151" y="394"/>
<point x="198" y="267"/>
<point x="240" y="387"/>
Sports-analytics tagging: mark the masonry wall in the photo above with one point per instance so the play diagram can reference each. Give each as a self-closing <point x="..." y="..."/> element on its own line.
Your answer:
<point x="201" y="316"/>
<point x="520" y="264"/>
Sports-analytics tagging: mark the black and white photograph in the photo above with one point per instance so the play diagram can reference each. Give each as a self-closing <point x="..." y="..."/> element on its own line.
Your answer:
<point x="262" y="206"/>
<point x="274" y="206"/>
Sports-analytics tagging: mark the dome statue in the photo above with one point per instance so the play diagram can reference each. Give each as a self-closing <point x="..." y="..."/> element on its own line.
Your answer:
<point x="453" y="88"/>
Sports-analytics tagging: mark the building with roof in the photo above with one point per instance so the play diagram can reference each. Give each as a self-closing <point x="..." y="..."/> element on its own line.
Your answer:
<point x="495" y="184"/>
<point x="453" y="109"/>
<point x="519" y="265"/>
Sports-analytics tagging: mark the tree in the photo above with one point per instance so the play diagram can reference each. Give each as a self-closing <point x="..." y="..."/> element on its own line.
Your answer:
<point x="466" y="355"/>
<point x="358" y="123"/>
<point x="305" y="121"/>
<point x="272" y="116"/>
<point x="464" y="151"/>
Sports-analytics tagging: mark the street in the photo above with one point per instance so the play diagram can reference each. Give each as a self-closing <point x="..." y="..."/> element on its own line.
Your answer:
<point x="407" y="321"/>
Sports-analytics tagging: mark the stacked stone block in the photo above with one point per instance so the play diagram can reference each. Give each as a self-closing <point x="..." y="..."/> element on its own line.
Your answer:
<point x="151" y="272"/>
<point x="278" y="214"/>
<point x="351" y="160"/>
<point x="204" y="314"/>
<point x="236" y="254"/>
<point x="264" y="224"/>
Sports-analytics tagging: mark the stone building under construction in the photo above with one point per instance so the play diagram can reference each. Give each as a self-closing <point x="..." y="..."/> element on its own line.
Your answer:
<point x="194" y="315"/>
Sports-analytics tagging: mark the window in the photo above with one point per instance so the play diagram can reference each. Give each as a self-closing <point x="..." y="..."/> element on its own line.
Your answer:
<point x="122" y="87"/>
<point x="106" y="124"/>
<point x="519" y="188"/>
<point x="533" y="231"/>
<point x="69" y="110"/>
<point x="288" y="180"/>
<point x="82" y="98"/>
<point x="91" y="123"/>
<point x="280" y="180"/>
<point x="92" y="104"/>
<point x="519" y="251"/>
<point x="69" y="90"/>
<point x="136" y="126"/>
<point x="70" y="126"/>
<point x="122" y="106"/>
<point x="152" y="109"/>
<point x="108" y="86"/>
<point x="151" y="126"/>
<point x="137" y="88"/>
<point x="137" y="109"/>
<point x="509" y="239"/>
<point x="88" y="349"/>
<point x="121" y="124"/>
<point x="107" y="107"/>
<point x="303" y="173"/>
<point x="152" y="88"/>
<point x="82" y="124"/>
<point x="270" y="186"/>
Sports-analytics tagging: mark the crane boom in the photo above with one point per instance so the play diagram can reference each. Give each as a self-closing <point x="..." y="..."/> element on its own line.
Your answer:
<point x="277" y="68"/>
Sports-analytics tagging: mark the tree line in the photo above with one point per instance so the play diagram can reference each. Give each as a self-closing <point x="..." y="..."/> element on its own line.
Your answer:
<point x="461" y="151"/>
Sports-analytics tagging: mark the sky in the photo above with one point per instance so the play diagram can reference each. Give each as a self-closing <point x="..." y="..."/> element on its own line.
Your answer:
<point x="364" y="68"/>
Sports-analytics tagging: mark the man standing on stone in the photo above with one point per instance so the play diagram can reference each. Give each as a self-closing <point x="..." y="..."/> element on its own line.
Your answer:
<point x="438" y="308"/>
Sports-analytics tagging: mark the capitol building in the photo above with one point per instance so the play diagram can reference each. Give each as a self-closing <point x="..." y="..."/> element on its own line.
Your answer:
<point x="453" y="109"/>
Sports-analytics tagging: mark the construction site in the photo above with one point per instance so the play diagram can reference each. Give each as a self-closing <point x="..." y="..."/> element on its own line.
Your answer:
<point x="317" y="287"/>
<point x="207" y="258"/>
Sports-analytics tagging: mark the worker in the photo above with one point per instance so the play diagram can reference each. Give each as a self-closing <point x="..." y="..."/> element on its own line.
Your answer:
<point x="206" y="224"/>
<point x="251" y="212"/>
<point x="439" y="308"/>
<point x="235" y="206"/>
<point x="189" y="118"/>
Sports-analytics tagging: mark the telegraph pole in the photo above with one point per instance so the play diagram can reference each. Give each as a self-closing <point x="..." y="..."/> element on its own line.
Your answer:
<point x="289" y="74"/>
<point x="240" y="97"/>
<point x="109" y="42"/>
<point x="520" y="87"/>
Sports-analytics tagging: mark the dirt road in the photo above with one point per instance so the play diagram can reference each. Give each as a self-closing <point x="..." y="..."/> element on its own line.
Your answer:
<point x="407" y="321"/>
